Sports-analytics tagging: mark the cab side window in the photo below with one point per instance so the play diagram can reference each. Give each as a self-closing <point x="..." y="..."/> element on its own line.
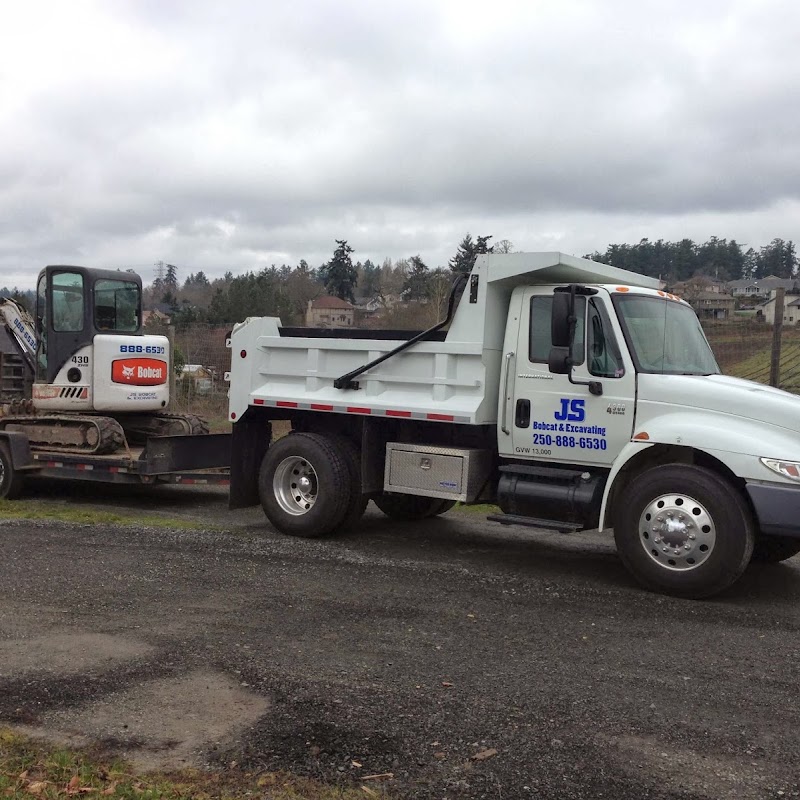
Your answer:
<point x="116" y="305"/>
<point x="604" y="358"/>
<point x="540" y="341"/>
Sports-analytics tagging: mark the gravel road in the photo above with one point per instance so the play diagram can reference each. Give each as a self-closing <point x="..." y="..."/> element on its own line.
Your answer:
<point x="465" y="659"/>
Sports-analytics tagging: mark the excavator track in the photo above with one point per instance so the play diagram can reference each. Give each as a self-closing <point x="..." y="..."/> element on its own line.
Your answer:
<point x="68" y="434"/>
<point x="138" y="428"/>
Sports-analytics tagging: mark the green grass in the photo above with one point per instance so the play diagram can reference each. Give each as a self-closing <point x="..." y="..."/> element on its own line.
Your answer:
<point x="478" y="508"/>
<point x="30" y="509"/>
<point x="32" y="769"/>
<point x="757" y="366"/>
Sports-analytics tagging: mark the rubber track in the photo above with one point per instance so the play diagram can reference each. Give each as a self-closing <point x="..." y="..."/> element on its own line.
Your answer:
<point x="110" y="437"/>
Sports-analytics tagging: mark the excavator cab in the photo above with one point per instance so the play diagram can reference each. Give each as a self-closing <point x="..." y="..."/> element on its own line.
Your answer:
<point x="74" y="304"/>
<point x="92" y="354"/>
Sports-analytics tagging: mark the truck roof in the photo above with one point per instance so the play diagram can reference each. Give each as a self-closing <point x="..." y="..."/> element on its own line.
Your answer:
<point x="554" y="267"/>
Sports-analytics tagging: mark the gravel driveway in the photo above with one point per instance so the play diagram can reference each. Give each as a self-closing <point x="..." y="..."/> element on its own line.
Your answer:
<point x="465" y="659"/>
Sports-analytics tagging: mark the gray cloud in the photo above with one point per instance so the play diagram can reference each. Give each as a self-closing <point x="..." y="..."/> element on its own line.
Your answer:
<point x="228" y="136"/>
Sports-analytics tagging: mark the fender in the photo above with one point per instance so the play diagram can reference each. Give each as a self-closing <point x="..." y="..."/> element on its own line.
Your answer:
<point x="20" y="450"/>
<point x="737" y="442"/>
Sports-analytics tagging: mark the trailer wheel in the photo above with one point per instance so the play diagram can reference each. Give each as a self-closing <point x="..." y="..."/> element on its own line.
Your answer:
<point x="304" y="485"/>
<point x="11" y="481"/>
<point x="683" y="530"/>
<point x="774" y="549"/>
<point x="409" y="507"/>
<point x="358" y="501"/>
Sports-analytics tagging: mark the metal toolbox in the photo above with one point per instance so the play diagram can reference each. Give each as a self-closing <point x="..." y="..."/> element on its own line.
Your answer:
<point x="447" y="472"/>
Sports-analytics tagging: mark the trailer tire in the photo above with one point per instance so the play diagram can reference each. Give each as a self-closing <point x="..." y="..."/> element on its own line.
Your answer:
<point x="305" y="485"/>
<point x="11" y="481"/>
<point x="683" y="530"/>
<point x="358" y="501"/>
<point x="774" y="549"/>
<point x="410" y="507"/>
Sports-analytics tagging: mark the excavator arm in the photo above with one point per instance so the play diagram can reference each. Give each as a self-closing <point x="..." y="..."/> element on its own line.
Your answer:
<point x="21" y="327"/>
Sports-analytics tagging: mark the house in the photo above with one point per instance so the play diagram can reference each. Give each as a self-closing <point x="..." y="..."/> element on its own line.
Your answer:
<point x="330" y="312"/>
<point x="791" y="310"/>
<point x="760" y="287"/>
<point x="698" y="283"/>
<point x="156" y="316"/>
<point x="712" y="305"/>
<point x="200" y="378"/>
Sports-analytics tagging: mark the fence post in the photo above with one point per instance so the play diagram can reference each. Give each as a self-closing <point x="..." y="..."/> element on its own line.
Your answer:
<point x="777" y="328"/>
<point x="171" y="339"/>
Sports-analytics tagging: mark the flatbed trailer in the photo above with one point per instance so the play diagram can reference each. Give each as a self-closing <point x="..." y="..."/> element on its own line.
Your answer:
<point x="186" y="460"/>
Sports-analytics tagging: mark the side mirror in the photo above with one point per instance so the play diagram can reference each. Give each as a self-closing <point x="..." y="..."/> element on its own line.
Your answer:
<point x="563" y="309"/>
<point x="559" y="361"/>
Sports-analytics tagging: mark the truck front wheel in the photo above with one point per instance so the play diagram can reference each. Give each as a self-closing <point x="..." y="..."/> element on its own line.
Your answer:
<point x="305" y="485"/>
<point x="683" y="530"/>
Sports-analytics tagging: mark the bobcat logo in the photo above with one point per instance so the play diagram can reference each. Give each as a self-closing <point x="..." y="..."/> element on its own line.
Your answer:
<point x="127" y="372"/>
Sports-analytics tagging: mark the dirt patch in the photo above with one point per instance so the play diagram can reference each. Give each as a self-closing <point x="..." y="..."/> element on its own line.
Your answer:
<point x="163" y="724"/>
<point x="68" y="654"/>
<point x="685" y="770"/>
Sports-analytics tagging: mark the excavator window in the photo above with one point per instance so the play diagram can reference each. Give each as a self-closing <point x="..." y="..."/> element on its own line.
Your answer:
<point x="116" y="305"/>
<point x="67" y="302"/>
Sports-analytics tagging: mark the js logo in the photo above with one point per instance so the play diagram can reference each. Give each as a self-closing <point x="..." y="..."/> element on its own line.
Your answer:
<point x="572" y="410"/>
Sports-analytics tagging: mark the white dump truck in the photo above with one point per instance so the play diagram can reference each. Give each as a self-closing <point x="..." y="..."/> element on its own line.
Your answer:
<point x="572" y="394"/>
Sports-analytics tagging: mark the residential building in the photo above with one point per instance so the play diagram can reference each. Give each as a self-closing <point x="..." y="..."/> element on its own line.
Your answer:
<point x="760" y="287"/>
<point x="329" y="312"/>
<point x="791" y="310"/>
<point x="712" y="305"/>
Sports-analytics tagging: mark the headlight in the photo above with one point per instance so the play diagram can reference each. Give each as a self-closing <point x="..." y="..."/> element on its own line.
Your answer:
<point x="789" y="469"/>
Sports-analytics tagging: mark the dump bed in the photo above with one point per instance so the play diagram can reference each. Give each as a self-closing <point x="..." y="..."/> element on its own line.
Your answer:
<point x="455" y="380"/>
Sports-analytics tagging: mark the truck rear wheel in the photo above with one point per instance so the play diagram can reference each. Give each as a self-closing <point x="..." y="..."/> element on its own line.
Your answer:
<point x="305" y="485"/>
<point x="683" y="530"/>
<point x="358" y="502"/>
<point x="774" y="549"/>
<point x="11" y="481"/>
<point x="409" y="507"/>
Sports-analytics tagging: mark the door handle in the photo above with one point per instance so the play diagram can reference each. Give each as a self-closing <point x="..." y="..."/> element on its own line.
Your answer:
<point x="504" y="420"/>
<point x="522" y="415"/>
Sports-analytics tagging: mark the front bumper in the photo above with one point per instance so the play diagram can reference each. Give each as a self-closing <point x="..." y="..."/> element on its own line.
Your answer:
<point x="777" y="508"/>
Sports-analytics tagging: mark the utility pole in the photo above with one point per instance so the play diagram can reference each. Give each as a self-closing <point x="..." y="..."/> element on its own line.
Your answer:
<point x="777" y="328"/>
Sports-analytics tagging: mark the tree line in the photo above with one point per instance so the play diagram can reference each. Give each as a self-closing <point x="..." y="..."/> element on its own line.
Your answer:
<point x="409" y="291"/>
<point x="716" y="258"/>
<point x="403" y="291"/>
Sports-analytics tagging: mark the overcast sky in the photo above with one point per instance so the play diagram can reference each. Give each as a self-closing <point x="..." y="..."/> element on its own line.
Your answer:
<point x="233" y="135"/>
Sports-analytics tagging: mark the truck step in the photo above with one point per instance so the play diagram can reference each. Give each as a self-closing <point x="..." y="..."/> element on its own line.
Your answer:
<point x="533" y="522"/>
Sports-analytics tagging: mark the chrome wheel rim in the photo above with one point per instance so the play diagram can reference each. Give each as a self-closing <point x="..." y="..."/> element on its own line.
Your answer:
<point x="677" y="532"/>
<point x="295" y="485"/>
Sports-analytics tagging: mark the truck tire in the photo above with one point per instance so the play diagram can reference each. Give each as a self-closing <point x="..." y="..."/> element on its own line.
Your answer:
<point x="683" y="530"/>
<point x="774" y="549"/>
<point x="409" y="507"/>
<point x="358" y="502"/>
<point x="11" y="481"/>
<point x="305" y="485"/>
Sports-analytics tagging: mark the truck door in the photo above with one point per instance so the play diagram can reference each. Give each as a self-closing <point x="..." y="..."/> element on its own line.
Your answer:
<point x="550" y="418"/>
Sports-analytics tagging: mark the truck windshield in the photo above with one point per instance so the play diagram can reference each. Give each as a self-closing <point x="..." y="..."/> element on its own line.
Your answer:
<point x="665" y="336"/>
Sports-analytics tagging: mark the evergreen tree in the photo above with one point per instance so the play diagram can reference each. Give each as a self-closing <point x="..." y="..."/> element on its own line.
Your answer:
<point x="339" y="276"/>
<point x="415" y="286"/>
<point x="468" y="250"/>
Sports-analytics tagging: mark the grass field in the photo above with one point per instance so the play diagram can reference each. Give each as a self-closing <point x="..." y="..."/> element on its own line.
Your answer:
<point x="32" y="769"/>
